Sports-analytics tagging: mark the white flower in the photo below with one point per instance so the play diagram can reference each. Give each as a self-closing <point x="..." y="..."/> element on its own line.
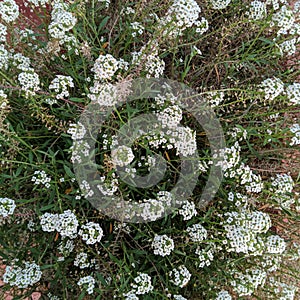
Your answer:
<point x="179" y="297"/>
<point x="122" y="156"/>
<point x="105" y="67"/>
<point x="29" y="81"/>
<point x="3" y="33"/>
<point x="205" y="257"/>
<point x="7" y="207"/>
<point x="39" y="2"/>
<point x="60" y="84"/>
<point x="9" y="10"/>
<point x="163" y="245"/>
<point x="142" y="284"/>
<point x="187" y="210"/>
<point x="77" y="131"/>
<point x="81" y="260"/>
<point x="197" y="233"/>
<point x="275" y="244"/>
<point x="295" y="129"/>
<point x="22" y="277"/>
<point x="223" y="295"/>
<point x="4" y="57"/>
<point x="283" y="183"/>
<point x="257" y="10"/>
<point x="137" y="28"/>
<point x="288" y="47"/>
<point x="284" y="19"/>
<point x="91" y="233"/>
<point x="219" y="4"/>
<point x="41" y="178"/>
<point x="293" y="93"/>
<point x="66" y="247"/>
<point x="68" y="224"/>
<point x="61" y="21"/>
<point x="180" y="276"/>
<point x="49" y="222"/>
<point x="89" y="282"/>
<point x="272" y="87"/>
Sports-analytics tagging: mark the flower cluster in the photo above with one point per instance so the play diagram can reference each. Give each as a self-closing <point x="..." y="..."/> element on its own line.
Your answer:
<point x="88" y="282"/>
<point x="66" y="223"/>
<point x="41" y="178"/>
<point x="282" y="184"/>
<point x="3" y="32"/>
<point x="149" y="60"/>
<point x="295" y="129"/>
<point x="275" y="244"/>
<point x="65" y="248"/>
<point x="137" y="28"/>
<point x="219" y="4"/>
<point x="180" y="276"/>
<point x="82" y="261"/>
<point x="242" y="230"/>
<point x="257" y="10"/>
<point x="215" y="98"/>
<point x="91" y="233"/>
<point x="22" y="277"/>
<point x="61" y="20"/>
<point x="4" y="57"/>
<point x="59" y="84"/>
<point x="122" y="156"/>
<point x="108" y="188"/>
<point x="9" y="10"/>
<point x="205" y="256"/>
<point x="105" y="67"/>
<point x="29" y="82"/>
<point x="288" y="47"/>
<point x="163" y="245"/>
<point x="182" y="15"/>
<point x="246" y="284"/>
<point x="7" y="207"/>
<point x="188" y="210"/>
<point x="272" y="87"/>
<point x="223" y="295"/>
<point x="39" y="2"/>
<point x="142" y="284"/>
<point x="77" y="131"/>
<point x="197" y="233"/>
<point x="293" y="93"/>
<point x="284" y="19"/>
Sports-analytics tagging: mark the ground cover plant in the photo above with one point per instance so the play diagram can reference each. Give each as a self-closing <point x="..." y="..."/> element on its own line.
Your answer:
<point x="240" y="59"/>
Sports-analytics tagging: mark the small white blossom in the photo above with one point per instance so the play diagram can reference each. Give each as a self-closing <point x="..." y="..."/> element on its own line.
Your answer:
<point x="257" y="10"/>
<point x="7" y="207"/>
<point x="142" y="284"/>
<point x="91" y="233"/>
<point x="197" y="233"/>
<point x="88" y="282"/>
<point x="9" y="10"/>
<point x="180" y="276"/>
<point x="122" y="156"/>
<point x="22" y="277"/>
<point x="295" y="129"/>
<point x="163" y="245"/>
<point x="59" y="84"/>
<point x="272" y="87"/>
<point x="223" y="295"/>
<point x="81" y="260"/>
<point x="188" y="210"/>
<point x="77" y="131"/>
<point x="293" y="93"/>
<point x="219" y="4"/>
